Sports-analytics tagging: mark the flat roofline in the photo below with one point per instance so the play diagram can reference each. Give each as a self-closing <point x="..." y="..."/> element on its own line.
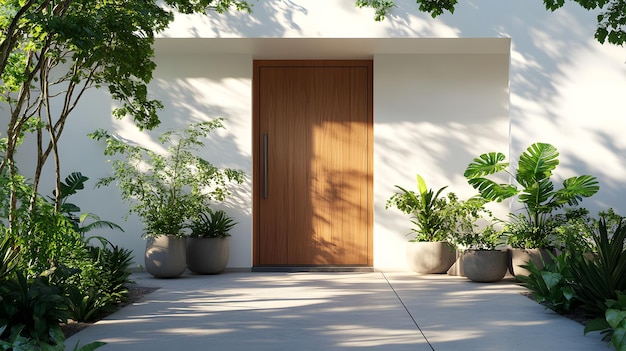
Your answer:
<point x="330" y="48"/>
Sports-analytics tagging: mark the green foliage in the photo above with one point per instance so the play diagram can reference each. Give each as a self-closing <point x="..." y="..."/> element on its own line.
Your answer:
<point x="167" y="191"/>
<point x="74" y="182"/>
<point x="550" y="285"/>
<point x="212" y="224"/>
<point x="471" y="225"/>
<point x="433" y="7"/>
<point x="427" y="210"/>
<point x="438" y="218"/>
<point x="574" y="230"/>
<point x="8" y="255"/>
<point x="596" y="276"/>
<point x="534" y="188"/>
<point x="613" y="325"/>
<point x="200" y="6"/>
<point x="102" y="286"/>
<point x="611" y="21"/>
<point x="32" y="309"/>
<point x="51" y="240"/>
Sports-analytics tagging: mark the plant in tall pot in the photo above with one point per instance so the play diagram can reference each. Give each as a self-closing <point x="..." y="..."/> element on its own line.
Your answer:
<point x="430" y="249"/>
<point x="208" y="242"/>
<point x="529" y="232"/>
<point x="166" y="191"/>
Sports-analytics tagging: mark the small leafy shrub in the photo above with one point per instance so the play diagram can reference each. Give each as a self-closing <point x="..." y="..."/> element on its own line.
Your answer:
<point x="613" y="325"/>
<point x="551" y="285"/>
<point x="427" y="209"/>
<point x="471" y="225"/>
<point x="167" y="191"/>
<point x="596" y="276"/>
<point x="101" y="284"/>
<point x="573" y="232"/>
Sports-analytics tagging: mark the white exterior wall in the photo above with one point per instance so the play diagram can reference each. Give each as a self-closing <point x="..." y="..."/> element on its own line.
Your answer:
<point x="437" y="103"/>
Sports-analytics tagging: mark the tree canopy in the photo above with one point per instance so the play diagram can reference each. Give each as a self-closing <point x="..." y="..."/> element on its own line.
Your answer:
<point x="611" y="26"/>
<point x="54" y="50"/>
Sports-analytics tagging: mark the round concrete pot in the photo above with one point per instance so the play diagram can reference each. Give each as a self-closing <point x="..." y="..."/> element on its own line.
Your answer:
<point x="484" y="266"/>
<point x="430" y="257"/>
<point x="207" y="255"/>
<point x="165" y="256"/>
<point x="519" y="257"/>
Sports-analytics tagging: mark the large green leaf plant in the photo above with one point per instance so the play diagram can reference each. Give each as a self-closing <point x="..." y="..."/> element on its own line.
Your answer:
<point x="535" y="190"/>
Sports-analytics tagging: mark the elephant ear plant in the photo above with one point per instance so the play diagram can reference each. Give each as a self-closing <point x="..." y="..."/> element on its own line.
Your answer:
<point x="534" y="188"/>
<point x="168" y="190"/>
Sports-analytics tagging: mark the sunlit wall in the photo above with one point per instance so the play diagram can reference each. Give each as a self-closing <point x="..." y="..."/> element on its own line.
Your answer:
<point x="433" y="109"/>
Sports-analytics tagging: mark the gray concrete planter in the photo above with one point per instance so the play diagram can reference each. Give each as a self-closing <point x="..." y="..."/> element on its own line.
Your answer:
<point x="484" y="266"/>
<point x="165" y="256"/>
<point x="519" y="257"/>
<point x="430" y="257"/>
<point x="207" y="255"/>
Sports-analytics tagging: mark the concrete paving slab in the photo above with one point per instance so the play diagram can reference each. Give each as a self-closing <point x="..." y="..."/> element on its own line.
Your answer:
<point x="334" y="311"/>
<point x="457" y="314"/>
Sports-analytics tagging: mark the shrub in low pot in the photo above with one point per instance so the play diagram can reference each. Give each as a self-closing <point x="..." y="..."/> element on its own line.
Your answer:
<point x="480" y="260"/>
<point x="430" y="250"/>
<point x="207" y="245"/>
<point x="167" y="190"/>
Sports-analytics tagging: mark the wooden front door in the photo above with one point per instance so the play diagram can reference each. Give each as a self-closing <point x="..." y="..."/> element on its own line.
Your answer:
<point x="313" y="163"/>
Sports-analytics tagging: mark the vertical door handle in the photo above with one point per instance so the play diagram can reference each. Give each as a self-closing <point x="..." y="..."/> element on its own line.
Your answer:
<point x="265" y="166"/>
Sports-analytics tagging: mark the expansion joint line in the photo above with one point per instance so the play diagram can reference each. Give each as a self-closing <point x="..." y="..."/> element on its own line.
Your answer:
<point x="407" y="311"/>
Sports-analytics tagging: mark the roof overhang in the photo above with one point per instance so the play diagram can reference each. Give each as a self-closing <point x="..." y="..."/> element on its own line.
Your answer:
<point x="330" y="48"/>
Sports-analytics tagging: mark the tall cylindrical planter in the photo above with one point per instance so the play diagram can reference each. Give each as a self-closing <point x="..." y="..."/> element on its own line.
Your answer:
<point x="519" y="257"/>
<point x="484" y="266"/>
<point x="207" y="255"/>
<point x="430" y="257"/>
<point x="166" y="256"/>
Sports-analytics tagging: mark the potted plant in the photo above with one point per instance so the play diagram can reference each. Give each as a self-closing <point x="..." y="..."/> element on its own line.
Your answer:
<point x="529" y="232"/>
<point x="481" y="260"/>
<point x="167" y="190"/>
<point x="207" y="245"/>
<point x="430" y="250"/>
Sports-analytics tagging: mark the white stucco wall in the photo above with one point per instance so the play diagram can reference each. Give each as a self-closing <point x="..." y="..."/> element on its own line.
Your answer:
<point x="437" y="103"/>
<point x="432" y="115"/>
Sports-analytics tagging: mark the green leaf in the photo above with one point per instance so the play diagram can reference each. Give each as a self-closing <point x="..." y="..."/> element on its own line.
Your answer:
<point x="89" y="347"/>
<point x="597" y="324"/>
<point x="421" y="185"/>
<point x="619" y="339"/>
<point x="492" y="191"/>
<point x="616" y="318"/>
<point x="575" y="188"/>
<point x="536" y="163"/>
<point x="551" y="279"/>
<point x="537" y="194"/>
<point x="486" y="164"/>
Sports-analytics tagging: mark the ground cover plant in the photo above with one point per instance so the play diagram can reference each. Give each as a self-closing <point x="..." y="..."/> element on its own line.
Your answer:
<point x="588" y="277"/>
<point x="51" y="272"/>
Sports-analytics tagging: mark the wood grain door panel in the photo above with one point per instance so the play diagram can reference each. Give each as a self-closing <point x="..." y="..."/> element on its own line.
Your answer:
<point x="313" y="136"/>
